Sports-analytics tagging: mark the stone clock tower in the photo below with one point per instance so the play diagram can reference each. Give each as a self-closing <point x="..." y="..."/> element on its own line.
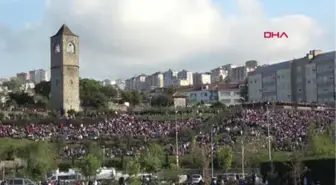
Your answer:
<point x="64" y="69"/>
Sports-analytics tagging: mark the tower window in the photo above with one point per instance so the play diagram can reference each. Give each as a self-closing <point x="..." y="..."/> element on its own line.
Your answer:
<point x="71" y="82"/>
<point x="57" y="82"/>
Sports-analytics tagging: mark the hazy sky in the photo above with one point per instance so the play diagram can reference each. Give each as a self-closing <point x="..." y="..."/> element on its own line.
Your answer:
<point x="122" y="38"/>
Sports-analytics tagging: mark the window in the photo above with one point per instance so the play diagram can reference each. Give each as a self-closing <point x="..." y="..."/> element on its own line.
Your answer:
<point x="18" y="182"/>
<point x="225" y="93"/>
<point x="308" y="81"/>
<point x="57" y="82"/>
<point x="71" y="82"/>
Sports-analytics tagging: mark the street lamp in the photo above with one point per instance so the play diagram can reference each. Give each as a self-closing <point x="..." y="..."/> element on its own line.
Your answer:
<point x="176" y="140"/>
<point x="243" y="153"/>
<point x="212" y="153"/>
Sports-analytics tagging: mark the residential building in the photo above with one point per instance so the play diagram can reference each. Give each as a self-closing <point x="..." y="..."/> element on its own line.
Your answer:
<point x="107" y="82"/>
<point x="22" y="76"/>
<point x="169" y="77"/>
<point x="180" y="83"/>
<point x="140" y="82"/>
<point x="185" y="75"/>
<point x="39" y="75"/>
<point x="120" y="84"/>
<point x="205" y="94"/>
<point x="154" y="81"/>
<point x="305" y="80"/>
<point x="233" y="73"/>
<point x="220" y="73"/>
<point x="229" y="94"/>
<point x="201" y="79"/>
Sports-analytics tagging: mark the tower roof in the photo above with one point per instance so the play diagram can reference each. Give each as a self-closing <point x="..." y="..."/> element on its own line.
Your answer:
<point x="64" y="30"/>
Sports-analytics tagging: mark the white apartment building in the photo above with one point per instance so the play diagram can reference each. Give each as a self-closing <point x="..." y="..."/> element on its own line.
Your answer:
<point x="169" y="77"/>
<point x="154" y="81"/>
<point x="201" y="78"/>
<point x="234" y="73"/>
<point x="130" y="84"/>
<point x="107" y="82"/>
<point x="140" y="82"/>
<point x="306" y="80"/>
<point x="229" y="94"/>
<point x="185" y="75"/>
<point x="39" y="75"/>
<point x="220" y="73"/>
<point x="180" y="83"/>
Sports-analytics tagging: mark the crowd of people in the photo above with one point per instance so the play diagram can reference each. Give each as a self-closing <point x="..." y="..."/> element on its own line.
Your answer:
<point x="287" y="128"/>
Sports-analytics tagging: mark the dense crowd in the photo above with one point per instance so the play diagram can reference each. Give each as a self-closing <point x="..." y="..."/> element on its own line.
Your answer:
<point x="287" y="128"/>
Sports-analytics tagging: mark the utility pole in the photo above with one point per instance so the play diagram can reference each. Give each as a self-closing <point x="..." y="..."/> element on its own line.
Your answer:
<point x="269" y="137"/>
<point x="212" y="154"/>
<point x="176" y="141"/>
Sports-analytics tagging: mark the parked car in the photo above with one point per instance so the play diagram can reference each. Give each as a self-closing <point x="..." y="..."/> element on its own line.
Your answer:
<point x="18" y="181"/>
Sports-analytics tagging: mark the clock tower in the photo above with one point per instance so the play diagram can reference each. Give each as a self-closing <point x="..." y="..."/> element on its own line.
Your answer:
<point x="64" y="70"/>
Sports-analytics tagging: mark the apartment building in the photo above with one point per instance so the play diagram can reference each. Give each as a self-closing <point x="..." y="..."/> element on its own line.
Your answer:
<point x="308" y="79"/>
<point x="201" y="79"/>
<point x="140" y="82"/>
<point x="185" y="75"/>
<point x="154" y="81"/>
<point x="130" y="84"/>
<point x="169" y="77"/>
<point x="233" y="73"/>
<point x="39" y="75"/>
<point x="229" y="94"/>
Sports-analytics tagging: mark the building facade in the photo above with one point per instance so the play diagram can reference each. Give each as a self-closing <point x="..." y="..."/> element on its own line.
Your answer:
<point x="201" y="79"/>
<point x="310" y="79"/>
<point x="229" y="94"/>
<point x="169" y="77"/>
<point x="38" y="75"/>
<point x="185" y="75"/>
<point x="65" y="70"/>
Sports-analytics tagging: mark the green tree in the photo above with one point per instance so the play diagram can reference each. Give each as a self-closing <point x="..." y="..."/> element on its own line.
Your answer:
<point x="297" y="167"/>
<point x="21" y="98"/>
<point x="13" y="84"/>
<point x="136" y="98"/>
<point x="89" y="166"/>
<point x="109" y="91"/>
<point x="225" y="156"/>
<point x="133" y="166"/>
<point x="90" y="94"/>
<point x="36" y="160"/>
<point x="197" y="155"/>
<point x="152" y="160"/>
<point x="43" y="89"/>
<point x="162" y="101"/>
<point x="94" y="149"/>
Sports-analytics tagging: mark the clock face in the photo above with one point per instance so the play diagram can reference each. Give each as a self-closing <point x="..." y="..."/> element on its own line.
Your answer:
<point x="57" y="48"/>
<point x="70" y="47"/>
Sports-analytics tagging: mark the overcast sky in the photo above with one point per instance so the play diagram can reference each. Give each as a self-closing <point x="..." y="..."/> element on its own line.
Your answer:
<point x="122" y="38"/>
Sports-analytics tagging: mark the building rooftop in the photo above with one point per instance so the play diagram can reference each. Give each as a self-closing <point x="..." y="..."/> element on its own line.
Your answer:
<point x="325" y="56"/>
<point x="64" y="30"/>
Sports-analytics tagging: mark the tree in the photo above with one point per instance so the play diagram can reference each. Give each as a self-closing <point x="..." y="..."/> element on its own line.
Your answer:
<point x="162" y="101"/>
<point x="297" y="168"/>
<point x="89" y="166"/>
<point x="225" y="156"/>
<point x="133" y="97"/>
<point x="91" y="95"/>
<point x="197" y="158"/>
<point x="43" y="89"/>
<point x="109" y="91"/>
<point x="133" y="166"/>
<point x="152" y="159"/>
<point x="13" y="84"/>
<point x="21" y="98"/>
<point x="37" y="162"/>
